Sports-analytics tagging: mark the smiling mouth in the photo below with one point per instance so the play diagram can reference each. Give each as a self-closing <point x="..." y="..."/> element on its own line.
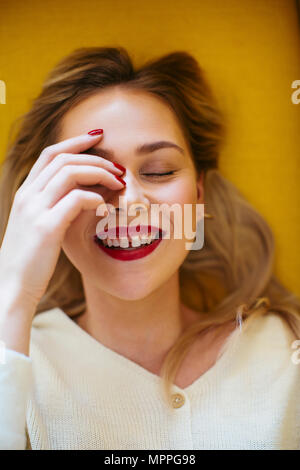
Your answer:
<point x="129" y="238"/>
<point x="133" y="248"/>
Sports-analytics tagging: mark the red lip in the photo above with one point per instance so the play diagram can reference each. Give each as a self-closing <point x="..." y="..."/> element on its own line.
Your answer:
<point x="125" y="255"/>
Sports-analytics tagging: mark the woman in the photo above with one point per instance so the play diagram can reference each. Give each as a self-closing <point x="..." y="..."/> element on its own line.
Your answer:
<point x="92" y="329"/>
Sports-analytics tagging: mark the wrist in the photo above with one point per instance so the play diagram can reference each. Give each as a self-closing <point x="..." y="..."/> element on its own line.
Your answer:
<point x="15" y="300"/>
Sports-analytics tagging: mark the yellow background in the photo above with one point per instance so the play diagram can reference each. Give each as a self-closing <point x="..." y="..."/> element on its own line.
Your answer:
<point x="250" y="50"/>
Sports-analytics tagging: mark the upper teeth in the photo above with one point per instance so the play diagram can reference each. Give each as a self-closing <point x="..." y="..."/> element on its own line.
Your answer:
<point x="135" y="241"/>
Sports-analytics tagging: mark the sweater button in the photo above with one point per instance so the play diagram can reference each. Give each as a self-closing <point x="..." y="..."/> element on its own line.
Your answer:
<point x="177" y="400"/>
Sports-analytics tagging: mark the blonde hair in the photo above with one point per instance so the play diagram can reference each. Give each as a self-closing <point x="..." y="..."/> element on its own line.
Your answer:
<point x="233" y="274"/>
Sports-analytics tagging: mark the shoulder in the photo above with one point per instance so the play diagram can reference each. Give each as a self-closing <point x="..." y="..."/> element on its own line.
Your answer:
<point x="267" y="342"/>
<point x="48" y="319"/>
<point x="270" y="327"/>
<point x="55" y="344"/>
<point x="50" y="329"/>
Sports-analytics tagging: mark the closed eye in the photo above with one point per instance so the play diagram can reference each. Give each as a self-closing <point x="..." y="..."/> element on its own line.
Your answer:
<point x="159" y="174"/>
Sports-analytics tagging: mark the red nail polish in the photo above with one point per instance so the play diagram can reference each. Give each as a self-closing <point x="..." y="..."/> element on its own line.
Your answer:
<point x="120" y="179"/>
<point x="96" y="132"/>
<point x="120" y="167"/>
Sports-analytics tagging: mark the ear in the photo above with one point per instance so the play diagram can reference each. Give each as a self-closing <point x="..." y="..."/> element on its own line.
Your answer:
<point x="200" y="188"/>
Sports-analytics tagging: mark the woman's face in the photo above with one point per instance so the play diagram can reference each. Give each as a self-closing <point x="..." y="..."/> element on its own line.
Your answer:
<point x="130" y="119"/>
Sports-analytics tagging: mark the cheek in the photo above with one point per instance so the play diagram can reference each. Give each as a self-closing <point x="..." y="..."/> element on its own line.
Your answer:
<point x="184" y="193"/>
<point x="181" y="191"/>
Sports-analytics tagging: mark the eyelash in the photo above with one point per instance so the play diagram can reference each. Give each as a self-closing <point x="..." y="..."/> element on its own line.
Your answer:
<point x="159" y="174"/>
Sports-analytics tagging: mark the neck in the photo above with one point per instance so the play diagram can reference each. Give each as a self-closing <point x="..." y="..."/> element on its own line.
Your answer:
<point x="143" y="329"/>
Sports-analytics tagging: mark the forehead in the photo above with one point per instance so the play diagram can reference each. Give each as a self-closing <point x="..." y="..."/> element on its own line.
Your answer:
<point x="123" y="112"/>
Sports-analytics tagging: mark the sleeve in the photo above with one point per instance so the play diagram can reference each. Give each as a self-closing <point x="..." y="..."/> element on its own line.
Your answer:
<point x="15" y="386"/>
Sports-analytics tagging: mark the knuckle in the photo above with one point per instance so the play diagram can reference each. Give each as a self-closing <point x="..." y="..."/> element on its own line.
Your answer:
<point x="46" y="152"/>
<point x="76" y="195"/>
<point x="60" y="158"/>
<point x="63" y="157"/>
<point x="59" y="161"/>
<point x="64" y="172"/>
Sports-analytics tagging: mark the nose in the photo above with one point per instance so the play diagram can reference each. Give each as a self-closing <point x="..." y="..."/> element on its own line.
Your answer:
<point x="133" y="195"/>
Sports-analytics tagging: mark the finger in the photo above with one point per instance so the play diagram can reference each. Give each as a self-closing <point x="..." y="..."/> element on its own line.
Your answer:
<point x="70" y="176"/>
<point x="62" y="214"/>
<point x="74" y="145"/>
<point x="65" y="159"/>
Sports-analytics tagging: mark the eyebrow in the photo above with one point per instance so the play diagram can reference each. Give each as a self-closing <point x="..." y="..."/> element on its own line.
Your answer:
<point x="140" y="150"/>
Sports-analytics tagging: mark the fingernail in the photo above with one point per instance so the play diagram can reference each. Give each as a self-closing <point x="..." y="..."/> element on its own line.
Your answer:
<point x="120" y="167"/>
<point x="120" y="179"/>
<point x="96" y="132"/>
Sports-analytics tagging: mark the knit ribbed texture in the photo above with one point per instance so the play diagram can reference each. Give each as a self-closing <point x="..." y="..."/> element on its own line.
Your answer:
<point x="75" y="393"/>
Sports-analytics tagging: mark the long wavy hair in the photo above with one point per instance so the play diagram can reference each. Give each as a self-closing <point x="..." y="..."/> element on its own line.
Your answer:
<point x="232" y="276"/>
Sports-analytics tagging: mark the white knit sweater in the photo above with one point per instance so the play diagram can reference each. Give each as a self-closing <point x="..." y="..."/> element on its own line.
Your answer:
<point x="75" y="393"/>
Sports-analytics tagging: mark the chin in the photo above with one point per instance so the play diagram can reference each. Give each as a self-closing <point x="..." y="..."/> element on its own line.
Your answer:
<point x="132" y="290"/>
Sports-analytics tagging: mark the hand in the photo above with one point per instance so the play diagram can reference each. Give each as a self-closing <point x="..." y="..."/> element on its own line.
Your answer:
<point x="43" y="208"/>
